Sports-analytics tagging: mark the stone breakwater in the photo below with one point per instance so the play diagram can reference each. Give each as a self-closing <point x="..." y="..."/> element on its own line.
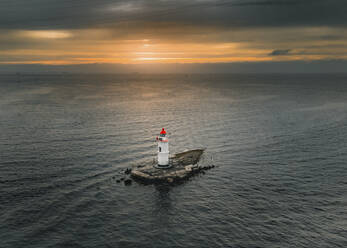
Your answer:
<point x="183" y="166"/>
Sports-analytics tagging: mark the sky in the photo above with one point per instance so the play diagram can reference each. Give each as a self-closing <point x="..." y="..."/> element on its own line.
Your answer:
<point x="153" y="34"/>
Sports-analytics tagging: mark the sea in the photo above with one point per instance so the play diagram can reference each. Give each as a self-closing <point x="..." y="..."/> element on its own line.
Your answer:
<point x="278" y="143"/>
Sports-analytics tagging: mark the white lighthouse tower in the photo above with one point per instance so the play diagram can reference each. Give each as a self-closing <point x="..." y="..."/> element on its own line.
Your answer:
<point x="163" y="150"/>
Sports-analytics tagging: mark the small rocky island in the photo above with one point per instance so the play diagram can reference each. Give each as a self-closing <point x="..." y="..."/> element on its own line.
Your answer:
<point x="170" y="169"/>
<point x="182" y="166"/>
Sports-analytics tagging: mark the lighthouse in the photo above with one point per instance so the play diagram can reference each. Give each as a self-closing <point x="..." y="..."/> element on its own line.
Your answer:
<point x="163" y="150"/>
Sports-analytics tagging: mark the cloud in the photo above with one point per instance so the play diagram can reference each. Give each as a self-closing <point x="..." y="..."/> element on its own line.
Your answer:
<point x="45" y="34"/>
<point x="280" y="52"/>
<point x="67" y="14"/>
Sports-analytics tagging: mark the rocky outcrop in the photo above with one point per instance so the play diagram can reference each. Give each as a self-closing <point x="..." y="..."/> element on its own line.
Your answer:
<point x="183" y="165"/>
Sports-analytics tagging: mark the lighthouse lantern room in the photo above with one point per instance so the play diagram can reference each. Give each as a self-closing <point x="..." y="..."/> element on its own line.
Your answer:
<point x="163" y="150"/>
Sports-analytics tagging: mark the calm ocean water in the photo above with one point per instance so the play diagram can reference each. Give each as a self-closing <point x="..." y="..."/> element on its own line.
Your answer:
<point x="279" y="143"/>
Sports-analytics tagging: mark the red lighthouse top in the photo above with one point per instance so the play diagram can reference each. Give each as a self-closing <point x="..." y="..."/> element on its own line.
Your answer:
<point x="163" y="131"/>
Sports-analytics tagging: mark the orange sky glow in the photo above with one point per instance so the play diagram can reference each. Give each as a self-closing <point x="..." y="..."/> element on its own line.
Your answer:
<point x="89" y="46"/>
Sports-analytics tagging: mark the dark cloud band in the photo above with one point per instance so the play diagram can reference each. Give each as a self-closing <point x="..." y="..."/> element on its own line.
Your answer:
<point x="66" y="14"/>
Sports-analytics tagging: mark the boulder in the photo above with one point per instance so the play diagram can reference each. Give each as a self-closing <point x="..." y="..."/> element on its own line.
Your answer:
<point x="127" y="182"/>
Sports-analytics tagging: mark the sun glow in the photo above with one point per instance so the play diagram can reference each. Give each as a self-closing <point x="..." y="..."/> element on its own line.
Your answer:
<point x="87" y="46"/>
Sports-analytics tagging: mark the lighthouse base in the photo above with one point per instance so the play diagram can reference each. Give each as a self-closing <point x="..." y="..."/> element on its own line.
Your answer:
<point x="163" y="159"/>
<point x="159" y="166"/>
